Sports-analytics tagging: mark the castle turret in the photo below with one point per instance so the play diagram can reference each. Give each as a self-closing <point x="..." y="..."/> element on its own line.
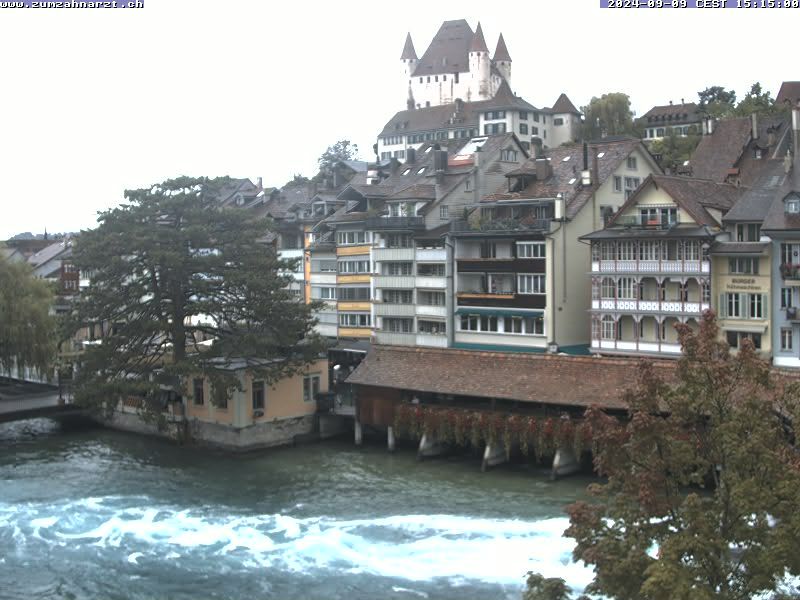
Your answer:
<point x="502" y="59"/>
<point x="409" y="60"/>
<point x="479" y="66"/>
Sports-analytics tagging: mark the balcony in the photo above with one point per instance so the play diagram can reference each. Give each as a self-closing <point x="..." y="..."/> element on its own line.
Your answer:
<point x="427" y="282"/>
<point x="395" y="223"/>
<point x="393" y="254"/>
<point x="395" y="339"/>
<point x="394" y="281"/>
<point x="499" y="225"/>
<point x="387" y="309"/>
<point x="790" y="273"/>
<point x="636" y="346"/>
<point x="651" y="306"/>
<point x="431" y="255"/>
<point x="651" y="266"/>
<point x="640" y="222"/>
<point x="431" y="310"/>
<point x="433" y="340"/>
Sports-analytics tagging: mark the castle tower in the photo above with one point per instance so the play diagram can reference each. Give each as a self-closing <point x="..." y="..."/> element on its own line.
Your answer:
<point x="409" y="60"/>
<point x="502" y="59"/>
<point x="479" y="67"/>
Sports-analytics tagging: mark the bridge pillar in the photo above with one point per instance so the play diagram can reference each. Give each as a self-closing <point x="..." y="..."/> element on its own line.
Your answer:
<point x="390" y="441"/>
<point x="429" y="446"/>
<point x="493" y="455"/>
<point x="564" y="463"/>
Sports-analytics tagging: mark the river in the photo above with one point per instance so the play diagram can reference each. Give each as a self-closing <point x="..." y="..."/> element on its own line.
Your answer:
<point x="103" y="514"/>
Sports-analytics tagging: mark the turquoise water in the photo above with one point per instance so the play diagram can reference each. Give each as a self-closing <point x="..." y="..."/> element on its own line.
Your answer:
<point x="102" y="514"/>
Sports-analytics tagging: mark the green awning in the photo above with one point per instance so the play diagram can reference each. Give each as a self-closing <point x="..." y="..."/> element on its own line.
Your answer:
<point x="498" y="312"/>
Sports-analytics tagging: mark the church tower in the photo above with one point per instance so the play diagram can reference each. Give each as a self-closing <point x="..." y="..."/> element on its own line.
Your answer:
<point x="409" y="60"/>
<point x="502" y="59"/>
<point x="479" y="67"/>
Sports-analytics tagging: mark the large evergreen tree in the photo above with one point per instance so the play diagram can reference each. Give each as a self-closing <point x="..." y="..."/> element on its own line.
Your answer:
<point x="183" y="287"/>
<point x="27" y="329"/>
<point x="703" y="481"/>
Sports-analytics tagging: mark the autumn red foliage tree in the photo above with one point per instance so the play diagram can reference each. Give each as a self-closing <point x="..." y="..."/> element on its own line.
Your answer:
<point x="702" y="498"/>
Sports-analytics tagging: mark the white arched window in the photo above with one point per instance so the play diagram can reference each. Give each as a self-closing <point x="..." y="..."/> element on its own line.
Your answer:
<point x="609" y="328"/>
<point x="608" y="288"/>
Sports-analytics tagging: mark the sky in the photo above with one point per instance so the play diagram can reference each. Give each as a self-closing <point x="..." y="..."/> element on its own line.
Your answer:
<point x="96" y="101"/>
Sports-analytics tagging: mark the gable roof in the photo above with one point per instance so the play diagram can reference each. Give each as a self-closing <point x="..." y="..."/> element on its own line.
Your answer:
<point x="789" y="93"/>
<point x="757" y="200"/>
<point x="448" y="51"/>
<point x="501" y="52"/>
<point x="695" y="196"/>
<point x="718" y="152"/>
<point x="534" y="378"/>
<point x="564" y="105"/>
<point x="566" y="163"/>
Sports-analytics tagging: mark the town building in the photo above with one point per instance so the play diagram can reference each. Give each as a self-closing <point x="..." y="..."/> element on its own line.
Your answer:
<point x="671" y="119"/>
<point x="651" y="266"/>
<point x="455" y="91"/>
<point x="520" y="269"/>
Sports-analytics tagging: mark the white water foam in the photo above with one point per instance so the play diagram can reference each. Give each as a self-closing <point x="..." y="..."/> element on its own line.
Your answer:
<point x="410" y="547"/>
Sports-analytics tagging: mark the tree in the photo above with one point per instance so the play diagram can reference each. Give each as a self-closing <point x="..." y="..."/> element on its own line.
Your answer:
<point x="717" y="101"/>
<point x="27" y="329"/>
<point x="703" y="480"/>
<point x="173" y="269"/>
<point x="608" y="115"/>
<point x="674" y="150"/>
<point x="757" y="101"/>
<point x="341" y="150"/>
<point x="541" y="588"/>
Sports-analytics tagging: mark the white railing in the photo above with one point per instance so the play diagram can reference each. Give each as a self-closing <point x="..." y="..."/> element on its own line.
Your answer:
<point x="651" y="306"/>
<point x="431" y="283"/>
<point x="388" y="309"/>
<point x="385" y="254"/>
<point x="637" y="346"/>
<point x="651" y="266"/>
<point x="395" y="339"/>
<point x="431" y="255"/>
<point x="433" y="340"/>
<point x="427" y="310"/>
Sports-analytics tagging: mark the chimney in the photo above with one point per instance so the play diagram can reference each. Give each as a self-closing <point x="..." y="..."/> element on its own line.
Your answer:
<point x="586" y="176"/>
<point x="770" y="136"/>
<point x="754" y="125"/>
<point x="260" y="184"/>
<point x="595" y="174"/>
<point x="670" y="102"/>
<point x="476" y="157"/>
<point x="411" y="156"/>
<point x="682" y="102"/>
<point x="710" y="121"/>
<point x="440" y="164"/>
<point x="543" y="169"/>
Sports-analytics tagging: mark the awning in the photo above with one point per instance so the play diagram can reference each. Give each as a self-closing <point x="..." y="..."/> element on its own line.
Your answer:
<point x="498" y="312"/>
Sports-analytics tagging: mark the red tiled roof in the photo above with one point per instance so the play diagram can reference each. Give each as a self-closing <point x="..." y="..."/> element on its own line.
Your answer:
<point x="789" y="93"/>
<point x="564" y="105"/>
<point x="536" y="378"/>
<point x="718" y="152"/>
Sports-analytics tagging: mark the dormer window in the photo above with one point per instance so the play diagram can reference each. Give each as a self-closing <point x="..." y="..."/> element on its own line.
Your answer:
<point x="407" y="171"/>
<point x="757" y="153"/>
<point x="239" y="200"/>
<point x="421" y="170"/>
<point x="793" y="205"/>
<point x="508" y="155"/>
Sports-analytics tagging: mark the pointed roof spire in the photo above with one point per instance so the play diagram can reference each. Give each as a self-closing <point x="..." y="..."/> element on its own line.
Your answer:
<point x="408" y="49"/>
<point x="478" y="43"/>
<point x="501" y="52"/>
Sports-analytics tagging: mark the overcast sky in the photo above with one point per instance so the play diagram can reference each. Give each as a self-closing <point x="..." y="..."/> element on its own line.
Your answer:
<point x="93" y="102"/>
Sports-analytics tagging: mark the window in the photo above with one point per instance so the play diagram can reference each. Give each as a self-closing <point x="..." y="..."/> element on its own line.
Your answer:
<point x="626" y="250"/>
<point x="609" y="328"/>
<point x="631" y="162"/>
<point x="530" y="284"/>
<point x="756" y="306"/>
<point x="398" y="296"/>
<point x="617" y="183"/>
<point x="348" y="238"/>
<point x="523" y="128"/>
<point x="790" y="254"/>
<point x="258" y="395"/>
<point x="398" y="325"/>
<point x="657" y="216"/>
<point x="786" y="298"/>
<point x="444" y="211"/>
<point x="743" y="266"/>
<point x="421" y="170"/>
<point x="523" y="115"/>
<point x="456" y="77"/>
<point x="398" y="268"/>
<point x="786" y="339"/>
<point x="524" y="325"/>
<point x="468" y="184"/>
<point x="748" y="232"/>
<point x="310" y="387"/>
<point x="431" y="327"/>
<point x="354" y="266"/>
<point x="494" y="128"/>
<point x="660" y="132"/>
<point x="353" y="294"/>
<point x="495" y="114"/>
<point x="428" y="270"/>
<point x="558" y="121"/>
<point x="324" y="293"/>
<point x="534" y="131"/>
<point x="354" y="320"/>
<point x="431" y="298"/>
<point x="536" y="117"/>
<point x="733" y="305"/>
<point x="478" y="323"/>
<point x="508" y="155"/>
<point x="530" y="250"/>
<point x="735" y="338"/>
<point x="399" y="240"/>
<point x="199" y="389"/>
<point x="626" y="288"/>
<point x="631" y="183"/>
<point x="744" y="306"/>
